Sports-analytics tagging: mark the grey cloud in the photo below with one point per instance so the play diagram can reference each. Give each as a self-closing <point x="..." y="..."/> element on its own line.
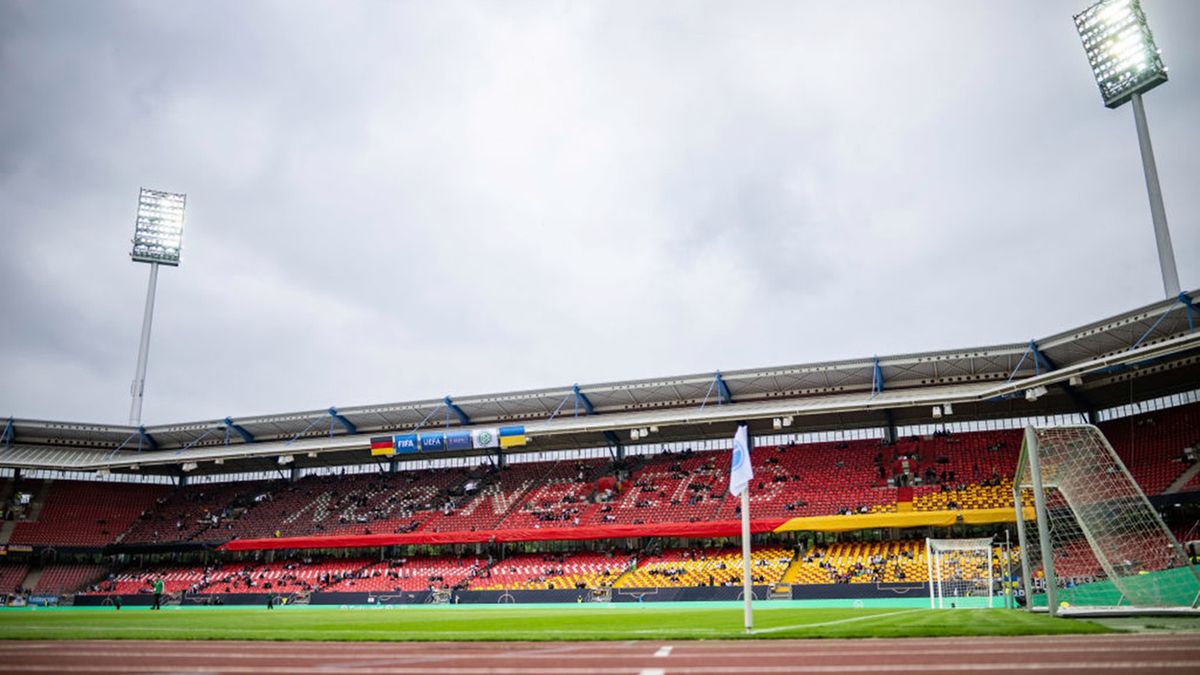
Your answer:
<point x="401" y="200"/>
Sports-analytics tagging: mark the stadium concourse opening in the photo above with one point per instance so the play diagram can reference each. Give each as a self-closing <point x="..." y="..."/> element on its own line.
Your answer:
<point x="609" y="493"/>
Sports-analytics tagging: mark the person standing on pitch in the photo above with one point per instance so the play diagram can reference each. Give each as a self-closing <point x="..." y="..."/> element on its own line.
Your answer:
<point x="158" y="591"/>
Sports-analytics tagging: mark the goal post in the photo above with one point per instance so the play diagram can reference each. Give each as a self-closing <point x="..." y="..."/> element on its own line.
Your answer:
<point x="960" y="573"/>
<point x="1095" y="544"/>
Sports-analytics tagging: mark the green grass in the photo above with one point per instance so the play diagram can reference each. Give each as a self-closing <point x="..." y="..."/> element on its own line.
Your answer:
<point x="607" y="622"/>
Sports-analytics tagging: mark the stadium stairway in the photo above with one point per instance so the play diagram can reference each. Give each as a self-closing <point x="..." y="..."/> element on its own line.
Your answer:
<point x="627" y="573"/>
<point x="792" y="573"/>
<point x="1175" y="486"/>
<point x="39" y="501"/>
<point x="32" y="578"/>
<point x="6" y="531"/>
<point x="6" y="489"/>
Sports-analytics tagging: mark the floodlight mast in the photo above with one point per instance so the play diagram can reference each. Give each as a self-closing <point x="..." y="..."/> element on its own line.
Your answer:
<point x="157" y="237"/>
<point x="1127" y="63"/>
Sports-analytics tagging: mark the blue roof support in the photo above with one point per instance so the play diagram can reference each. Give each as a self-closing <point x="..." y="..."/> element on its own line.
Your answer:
<point x="241" y="431"/>
<point x="458" y="412"/>
<point x="581" y="399"/>
<point x="1081" y="402"/>
<point x="723" y="395"/>
<point x="876" y="377"/>
<point x="341" y="419"/>
<point x="6" y="437"/>
<point x="717" y="384"/>
<point x="1190" y="307"/>
<point x="1040" y="360"/>
<point x="146" y="439"/>
<point x="1172" y="308"/>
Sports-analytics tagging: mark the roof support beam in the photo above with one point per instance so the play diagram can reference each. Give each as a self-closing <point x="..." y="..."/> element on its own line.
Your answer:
<point x="1084" y="406"/>
<point x="145" y="439"/>
<point x="1191" y="308"/>
<point x="247" y="437"/>
<point x="458" y="412"/>
<point x="876" y="377"/>
<point x="6" y="437"/>
<point x="889" y="429"/>
<point x="722" y="389"/>
<point x="723" y="395"/>
<point x="341" y="419"/>
<point x="582" y="401"/>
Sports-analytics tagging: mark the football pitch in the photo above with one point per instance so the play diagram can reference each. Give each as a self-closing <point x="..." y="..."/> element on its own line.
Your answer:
<point x="509" y="623"/>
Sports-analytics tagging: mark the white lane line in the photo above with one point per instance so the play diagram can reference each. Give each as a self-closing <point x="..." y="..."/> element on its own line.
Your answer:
<point x="853" y="619"/>
<point x="1085" y="667"/>
<point x="663" y="651"/>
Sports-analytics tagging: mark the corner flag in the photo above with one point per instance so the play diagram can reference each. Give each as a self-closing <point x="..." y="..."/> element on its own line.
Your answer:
<point x="740" y="471"/>
<point x="740" y="474"/>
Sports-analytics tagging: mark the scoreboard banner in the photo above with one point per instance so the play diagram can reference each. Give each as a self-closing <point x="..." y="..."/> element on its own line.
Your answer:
<point x="406" y="443"/>
<point x="433" y="442"/>
<point x="436" y="441"/>
<point x="485" y="438"/>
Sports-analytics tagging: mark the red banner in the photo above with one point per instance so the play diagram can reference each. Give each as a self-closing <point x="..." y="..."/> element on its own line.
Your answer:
<point x="726" y="528"/>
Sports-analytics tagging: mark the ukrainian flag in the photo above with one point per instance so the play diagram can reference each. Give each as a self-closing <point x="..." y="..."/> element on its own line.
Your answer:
<point x="512" y="437"/>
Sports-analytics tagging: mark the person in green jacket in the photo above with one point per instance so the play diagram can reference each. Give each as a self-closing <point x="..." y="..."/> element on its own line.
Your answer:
<point x="158" y="591"/>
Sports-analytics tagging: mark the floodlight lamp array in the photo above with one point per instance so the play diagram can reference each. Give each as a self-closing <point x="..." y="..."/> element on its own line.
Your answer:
<point x="158" y="233"/>
<point x="1120" y="49"/>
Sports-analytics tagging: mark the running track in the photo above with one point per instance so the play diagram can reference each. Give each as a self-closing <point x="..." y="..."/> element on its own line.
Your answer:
<point x="1146" y="653"/>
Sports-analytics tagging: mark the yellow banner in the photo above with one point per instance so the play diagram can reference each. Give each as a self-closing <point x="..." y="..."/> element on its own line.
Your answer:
<point x="870" y="521"/>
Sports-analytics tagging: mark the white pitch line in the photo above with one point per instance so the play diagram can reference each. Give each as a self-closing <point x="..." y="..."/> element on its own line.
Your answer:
<point x="652" y="671"/>
<point x="776" y="629"/>
<point x="360" y="660"/>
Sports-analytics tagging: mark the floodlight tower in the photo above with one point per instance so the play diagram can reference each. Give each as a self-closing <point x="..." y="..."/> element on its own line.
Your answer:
<point x="1126" y="64"/>
<point x="156" y="240"/>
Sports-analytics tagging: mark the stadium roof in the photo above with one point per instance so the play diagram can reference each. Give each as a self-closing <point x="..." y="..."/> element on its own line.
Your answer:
<point x="1143" y="353"/>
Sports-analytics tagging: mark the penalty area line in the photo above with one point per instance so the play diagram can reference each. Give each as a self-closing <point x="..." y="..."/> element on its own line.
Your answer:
<point x="853" y="619"/>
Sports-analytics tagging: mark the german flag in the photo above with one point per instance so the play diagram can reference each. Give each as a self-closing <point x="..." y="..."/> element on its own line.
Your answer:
<point x="382" y="445"/>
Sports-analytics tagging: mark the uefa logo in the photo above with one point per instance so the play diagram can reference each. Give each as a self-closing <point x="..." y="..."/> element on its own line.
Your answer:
<point x="739" y="456"/>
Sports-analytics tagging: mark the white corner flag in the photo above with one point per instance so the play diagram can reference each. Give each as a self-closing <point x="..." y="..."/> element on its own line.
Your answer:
<point x="740" y="471"/>
<point x="740" y="475"/>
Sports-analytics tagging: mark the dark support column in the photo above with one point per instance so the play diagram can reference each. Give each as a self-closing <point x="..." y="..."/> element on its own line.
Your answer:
<point x="889" y="429"/>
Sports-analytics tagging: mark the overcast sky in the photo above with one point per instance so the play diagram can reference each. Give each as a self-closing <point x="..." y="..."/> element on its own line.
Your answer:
<point x="390" y="201"/>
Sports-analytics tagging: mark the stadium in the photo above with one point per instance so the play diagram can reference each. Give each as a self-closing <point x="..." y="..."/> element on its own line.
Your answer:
<point x="1020" y="505"/>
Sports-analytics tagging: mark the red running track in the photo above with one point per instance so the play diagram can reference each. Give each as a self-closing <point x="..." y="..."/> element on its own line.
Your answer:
<point x="1145" y="653"/>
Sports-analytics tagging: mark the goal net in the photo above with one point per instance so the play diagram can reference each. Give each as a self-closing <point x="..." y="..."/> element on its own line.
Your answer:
<point x="1095" y="544"/>
<point x="960" y="572"/>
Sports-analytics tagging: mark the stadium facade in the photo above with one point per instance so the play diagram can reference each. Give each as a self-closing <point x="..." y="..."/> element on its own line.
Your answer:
<point x="599" y="491"/>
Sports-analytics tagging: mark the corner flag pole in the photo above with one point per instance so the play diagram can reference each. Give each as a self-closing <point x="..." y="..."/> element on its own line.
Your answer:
<point x="741" y="471"/>
<point x="747" y="589"/>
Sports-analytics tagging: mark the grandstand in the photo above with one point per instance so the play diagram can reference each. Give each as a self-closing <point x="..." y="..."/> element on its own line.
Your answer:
<point x="855" y="463"/>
